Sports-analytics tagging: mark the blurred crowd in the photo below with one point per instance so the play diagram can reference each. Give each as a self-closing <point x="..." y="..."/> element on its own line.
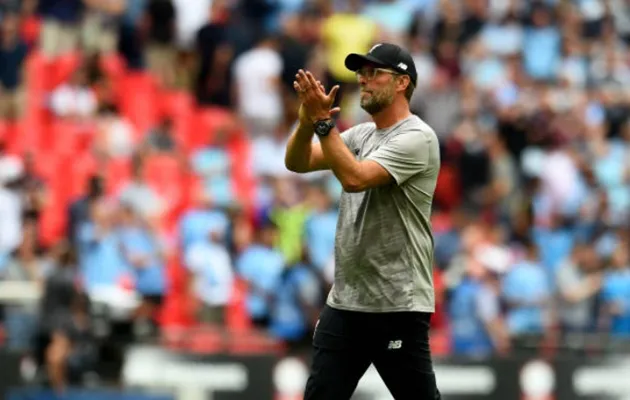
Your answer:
<point x="530" y="101"/>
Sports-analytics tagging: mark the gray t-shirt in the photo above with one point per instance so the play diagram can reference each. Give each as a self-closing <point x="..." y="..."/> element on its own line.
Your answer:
<point x="384" y="244"/>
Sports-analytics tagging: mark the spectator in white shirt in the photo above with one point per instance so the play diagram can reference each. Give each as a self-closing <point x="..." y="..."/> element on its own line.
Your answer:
<point x="74" y="99"/>
<point x="257" y="76"/>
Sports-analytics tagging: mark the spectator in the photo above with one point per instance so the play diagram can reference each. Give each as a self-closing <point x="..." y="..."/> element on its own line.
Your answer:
<point x="257" y="74"/>
<point x="320" y="227"/>
<point x="115" y="134"/>
<point x="71" y="352"/>
<point x="346" y="32"/>
<point x="541" y="44"/>
<point x="130" y="35"/>
<point x="79" y="210"/>
<point x="28" y="264"/>
<point x="216" y="52"/>
<point x="160" y="139"/>
<point x="294" y="49"/>
<point x="101" y="262"/>
<point x="268" y="153"/>
<point x="504" y="35"/>
<point x="189" y="18"/>
<point x="527" y="291"/>
<point x="12" y="55"/>
<point x="61" y="285"/>
<point x="195" y="224"/>
<point x="439" y="105"/>
<point x="579" y="282"/>
<point x="11" y="215"/>
<point x="295" y="304"/>
<point x="212" y="276"/>
<point x="289" y="213"/>
<point x="478" y="328"/>
<point x="144" y="251"/>
<point x="139" y="195"/>
<point x="60" y="28"/>
<point x="59" y="292"/>
<point x="261" y="266"/>
<point x="74" y="100"/>
<point x="212" y="164"/>
<point x="393" y="17"/>
<point x="616" y="304"/>
<point x="504" y="179"/>
<point x="161" y="50"/>
<point x="99" y="33"/>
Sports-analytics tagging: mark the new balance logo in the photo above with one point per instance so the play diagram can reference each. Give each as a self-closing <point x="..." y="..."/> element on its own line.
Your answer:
<point x="394" y="345"/>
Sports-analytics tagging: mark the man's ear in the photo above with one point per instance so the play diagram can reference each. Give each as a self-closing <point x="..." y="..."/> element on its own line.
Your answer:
<point x="403" y="82"/>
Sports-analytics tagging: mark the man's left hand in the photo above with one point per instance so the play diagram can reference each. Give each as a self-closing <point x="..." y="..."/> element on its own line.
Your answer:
<point x="316" y="104"/>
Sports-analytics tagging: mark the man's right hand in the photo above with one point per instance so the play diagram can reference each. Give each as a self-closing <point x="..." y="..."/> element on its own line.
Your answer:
<point x="304" y="116"/>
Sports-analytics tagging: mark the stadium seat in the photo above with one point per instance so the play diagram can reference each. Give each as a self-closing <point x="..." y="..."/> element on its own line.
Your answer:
<point x="62" y="68"/>
<point x="164" y="172"/>
<point x="66" y="137"/>
<point x="117" y="174"/>
<point x="10" y="136"/>
<point x="138" y="100"/>
<point x="447" y="191"/>
<point x="175" y="104"/>
<point x="236" y="316"/>
<point x="83" y="167"/>
<point x="52" y="223"/>
<point x="204" y="122"/>
<point x="203" y="341"/>
<point x="112" y="65"/>
<point x="29" y="30"/>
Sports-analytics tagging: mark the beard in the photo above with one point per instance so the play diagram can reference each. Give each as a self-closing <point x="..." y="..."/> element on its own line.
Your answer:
<point x="375" y="102"/>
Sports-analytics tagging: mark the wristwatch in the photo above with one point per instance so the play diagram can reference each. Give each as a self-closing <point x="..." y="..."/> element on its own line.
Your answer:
<point x="323" y="127"/>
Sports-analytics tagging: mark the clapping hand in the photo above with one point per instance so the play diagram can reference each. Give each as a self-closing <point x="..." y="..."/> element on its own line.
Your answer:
<point x="315" y="103"/>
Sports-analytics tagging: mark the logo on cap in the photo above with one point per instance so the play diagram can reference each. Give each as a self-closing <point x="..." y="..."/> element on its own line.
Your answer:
<point x="374" y="47"/>
<point x="402" y="66"/>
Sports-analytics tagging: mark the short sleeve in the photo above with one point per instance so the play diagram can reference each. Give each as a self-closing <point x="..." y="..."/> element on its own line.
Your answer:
<point x="487" y="306"/>
<point x="566" y="278"/>
<point x="405" y="155"/>
<point x="348" y="137"/>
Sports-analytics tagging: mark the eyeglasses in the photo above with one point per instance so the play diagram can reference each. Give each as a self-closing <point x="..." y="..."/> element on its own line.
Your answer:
<point x="370" y="73"/>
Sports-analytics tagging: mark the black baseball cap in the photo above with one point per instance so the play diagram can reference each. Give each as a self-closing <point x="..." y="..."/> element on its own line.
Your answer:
<point x="387" y="55"/>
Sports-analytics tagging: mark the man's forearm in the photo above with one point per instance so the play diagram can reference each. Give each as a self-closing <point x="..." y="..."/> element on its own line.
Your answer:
<point x="343" y="164"/>
<point x="298" y="153"/>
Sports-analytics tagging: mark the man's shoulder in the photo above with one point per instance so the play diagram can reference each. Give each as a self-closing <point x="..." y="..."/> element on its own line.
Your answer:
<point x="415" y="123"/>
<point x="362" y="127"/>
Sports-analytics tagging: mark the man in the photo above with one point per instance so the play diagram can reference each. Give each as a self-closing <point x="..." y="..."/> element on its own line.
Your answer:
<point x="379" y="308"/>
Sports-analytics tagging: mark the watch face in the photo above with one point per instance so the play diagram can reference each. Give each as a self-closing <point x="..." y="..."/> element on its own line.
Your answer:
<point x="322" y="128"/>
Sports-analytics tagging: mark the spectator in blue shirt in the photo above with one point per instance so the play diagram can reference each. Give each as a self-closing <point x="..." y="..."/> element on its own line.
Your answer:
<point x="541" y="45"/>
<point x="212" y="274"/>
<point x="477" y="325"/>
<point x="197" y="222"/>
<point x="143" y="252"/>
<point x="320" y="228"/>
<point x="261" y="266"/>
<point x="616" y="293"/>
<point x="212" y="164"/>
<point x="295" y="306"/>
<point x="527" y="292"/>
<point x="101" y="261"/>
